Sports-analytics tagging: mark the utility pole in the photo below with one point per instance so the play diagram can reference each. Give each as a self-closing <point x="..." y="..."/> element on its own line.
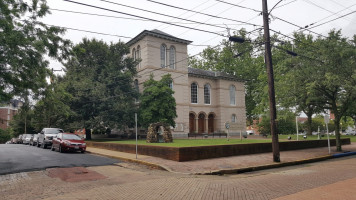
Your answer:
<point x="272" y="100"/>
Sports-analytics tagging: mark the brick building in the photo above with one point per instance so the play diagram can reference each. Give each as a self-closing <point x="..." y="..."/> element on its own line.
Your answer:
<point x="7" y="112"/>
<point x="205" y="99"/>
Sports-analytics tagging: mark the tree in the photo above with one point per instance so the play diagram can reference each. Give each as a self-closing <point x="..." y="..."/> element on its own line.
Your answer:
<point x="286" y="123"/>
<point x="334" y="79"/>
<point x="157" y="103"/>
<point x="238" y="59"/>
<point x="100" y="79"/>
<point x="24" y="43"/>
<point x="293" y="77"/>
<point x="53" y="109"/>
<point x="22" y="121"/>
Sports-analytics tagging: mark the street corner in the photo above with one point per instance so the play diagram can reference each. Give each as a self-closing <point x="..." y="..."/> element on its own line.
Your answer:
<point x="74" y="174"/>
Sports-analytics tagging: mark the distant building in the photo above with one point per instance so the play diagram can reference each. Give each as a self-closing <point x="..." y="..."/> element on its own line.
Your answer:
<point x="205" y="99"/>
<point x="8" y="111"/>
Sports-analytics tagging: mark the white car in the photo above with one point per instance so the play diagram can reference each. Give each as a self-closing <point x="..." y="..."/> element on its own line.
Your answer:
<point x="26" y="138"/>
<point x="46" y="135"/>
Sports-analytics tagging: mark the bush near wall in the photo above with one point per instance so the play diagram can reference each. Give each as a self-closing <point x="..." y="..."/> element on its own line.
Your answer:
<point x="205" y="152"/>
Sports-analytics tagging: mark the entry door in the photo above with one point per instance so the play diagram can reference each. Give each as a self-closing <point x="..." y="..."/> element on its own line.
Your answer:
<point x="191" y="123"/>
<point x="211" y="123"/>
<point x="201" y="123"/>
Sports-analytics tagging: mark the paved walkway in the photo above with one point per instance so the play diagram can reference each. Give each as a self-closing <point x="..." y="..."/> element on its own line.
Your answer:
<point x="226" y="164"/>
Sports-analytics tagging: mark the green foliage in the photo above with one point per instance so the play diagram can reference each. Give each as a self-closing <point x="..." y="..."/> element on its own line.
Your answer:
<point x="5" y="135"/>
<point x="157" y="103"/>
<point x="100" y="80"/>
<point x="24" y="43"/>
<point x="285" y="123"/>
<point x="22" y="121"/>
<point x="247" y="66"/>
<point x="53" y="109"/>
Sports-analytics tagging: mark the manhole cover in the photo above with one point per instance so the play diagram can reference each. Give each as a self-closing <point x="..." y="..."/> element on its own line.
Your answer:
<point x="74" y="174"/>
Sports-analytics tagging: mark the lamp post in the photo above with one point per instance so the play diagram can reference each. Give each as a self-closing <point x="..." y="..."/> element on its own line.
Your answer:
<point x="296" y="123"/>
<point x="326" y="120"/>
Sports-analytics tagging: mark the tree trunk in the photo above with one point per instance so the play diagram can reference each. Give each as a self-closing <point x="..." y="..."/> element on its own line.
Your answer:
<point x="87" y="134"/>
<point x="309" y="123"/>
<point x="337" y="133"/>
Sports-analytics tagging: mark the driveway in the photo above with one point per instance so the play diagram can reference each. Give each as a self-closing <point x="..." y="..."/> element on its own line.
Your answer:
<point x="21" y="158"/>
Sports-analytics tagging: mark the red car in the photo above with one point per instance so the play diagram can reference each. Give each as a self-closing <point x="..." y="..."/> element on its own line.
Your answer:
<point x="68" y="142"/>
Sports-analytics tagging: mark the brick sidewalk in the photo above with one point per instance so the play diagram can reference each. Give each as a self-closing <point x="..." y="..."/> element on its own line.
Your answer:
<point x="225" y="163"/>
<point x="314" y="181"/>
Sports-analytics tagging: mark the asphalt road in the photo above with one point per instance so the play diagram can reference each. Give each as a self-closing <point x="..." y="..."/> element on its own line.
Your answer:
<point x="16" y="158"/>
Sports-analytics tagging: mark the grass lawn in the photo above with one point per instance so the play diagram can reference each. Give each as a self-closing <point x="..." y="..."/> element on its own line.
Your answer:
<point x="191" y="142"/>
<point x="218" y="141"/>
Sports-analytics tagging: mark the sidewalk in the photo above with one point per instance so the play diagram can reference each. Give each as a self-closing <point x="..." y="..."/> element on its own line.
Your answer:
<point x="226" y="165"/>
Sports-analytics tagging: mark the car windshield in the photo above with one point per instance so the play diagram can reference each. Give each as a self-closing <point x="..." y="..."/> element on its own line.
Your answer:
<point x="53" y="131"/>
<point x="71" y="137"/>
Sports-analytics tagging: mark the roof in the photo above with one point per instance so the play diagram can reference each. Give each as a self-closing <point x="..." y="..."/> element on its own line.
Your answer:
<point x="158" y="34"/>
<point x="212" y="75"/>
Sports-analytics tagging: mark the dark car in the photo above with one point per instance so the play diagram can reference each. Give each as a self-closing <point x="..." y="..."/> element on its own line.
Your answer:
<point x="68" y="142"/>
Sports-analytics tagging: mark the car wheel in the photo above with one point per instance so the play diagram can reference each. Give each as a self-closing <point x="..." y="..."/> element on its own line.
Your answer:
<point x="82" y="151"/>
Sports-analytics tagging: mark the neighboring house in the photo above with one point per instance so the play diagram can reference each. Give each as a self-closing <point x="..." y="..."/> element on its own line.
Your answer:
<point x="205" y="99"/>
<point x="7" y="112"/>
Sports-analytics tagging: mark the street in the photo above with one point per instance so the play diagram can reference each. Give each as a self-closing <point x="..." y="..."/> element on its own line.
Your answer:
<point x="132" y="181"/>
<point x="20" y="158"/>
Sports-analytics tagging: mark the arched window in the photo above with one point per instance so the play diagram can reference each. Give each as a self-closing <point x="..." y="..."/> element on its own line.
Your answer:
<point x="194" y="93"/>
<point x="233" y="118"/>
<point x="138" y="55"/>
<point x="134" y="53"/>
<point x="172" y="57"/>
<point x="163" y="55"/>
<point x="232" y="95"/>
<point x="206" y="94"/>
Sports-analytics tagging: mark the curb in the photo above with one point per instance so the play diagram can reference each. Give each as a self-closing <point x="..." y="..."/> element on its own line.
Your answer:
<point x="339" y="155"/>
<point x="263" y="167"/>
<point x="134" y="161"/>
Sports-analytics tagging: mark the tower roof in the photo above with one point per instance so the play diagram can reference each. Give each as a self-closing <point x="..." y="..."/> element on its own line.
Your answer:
<point x="158" y="34"/>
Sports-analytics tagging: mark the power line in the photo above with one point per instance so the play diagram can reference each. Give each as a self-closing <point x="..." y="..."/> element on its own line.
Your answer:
<point x="310" y="2"/>
<point x="208" y="19"/>
<point x="157" y="13"/>
<point x="283" y="20"/>
<point x="333" y="19"/>
<point x="127" y="18"/>
<point x="107" y="34"/>
<point x="328" y="16"/>
<point x="201" y="13"/>
<point x="236" y="5"/>
<point x="154" y="20"/>
<point x="185" y="13"/>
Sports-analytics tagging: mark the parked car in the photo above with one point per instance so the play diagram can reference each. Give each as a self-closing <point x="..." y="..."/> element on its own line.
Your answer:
<point x="46" y="135"/>
<point x="19" y="141"/>
<point x="14" y="140"/>
<point x="68" y="142"/>
<point x="26" y="138"/>
<point x="33" y="141"/>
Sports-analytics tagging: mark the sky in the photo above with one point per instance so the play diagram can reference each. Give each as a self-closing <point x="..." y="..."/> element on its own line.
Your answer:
<point x="122" y="20"/>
